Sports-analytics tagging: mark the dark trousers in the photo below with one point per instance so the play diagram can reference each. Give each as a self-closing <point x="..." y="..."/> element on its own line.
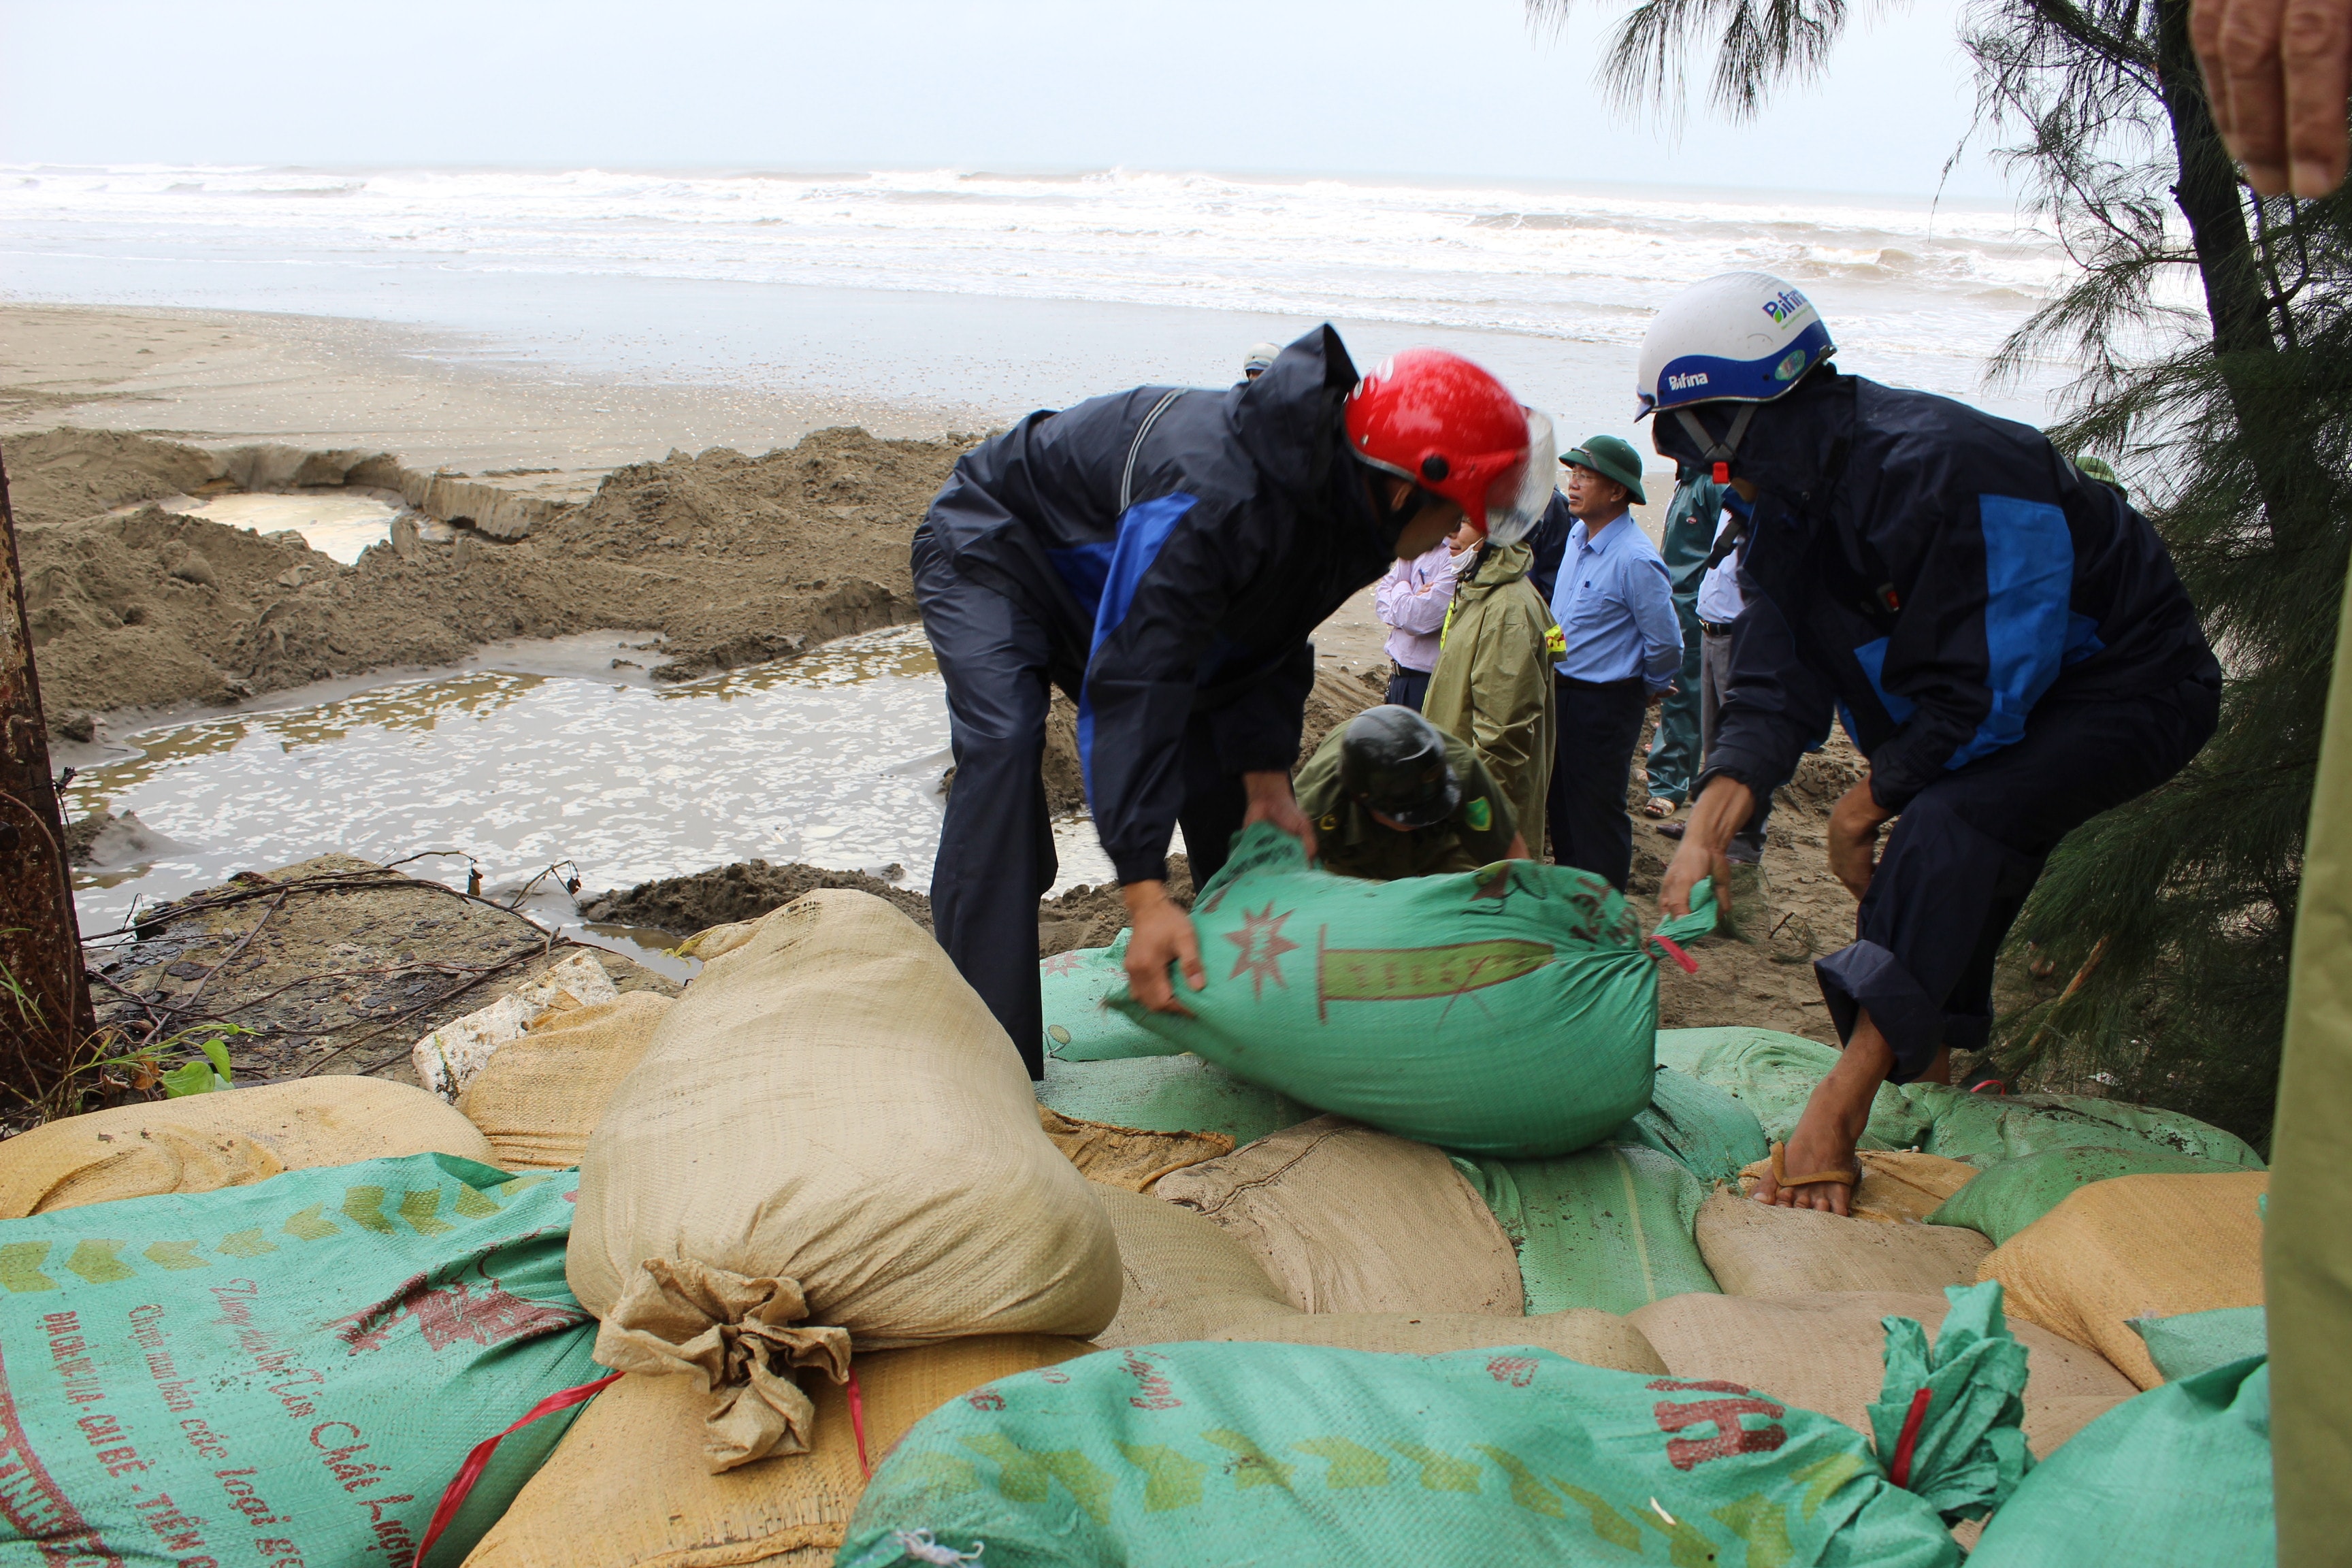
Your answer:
<point x="1967" y="849"/>
<point x="1591" y="761"/>
<point x="1406" y="687"/>
<point x="996" y="846"/>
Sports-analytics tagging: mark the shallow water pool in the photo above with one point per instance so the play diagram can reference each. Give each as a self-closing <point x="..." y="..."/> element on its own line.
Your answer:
<point x="832" y="758"/>
<point x="338" y="525"/>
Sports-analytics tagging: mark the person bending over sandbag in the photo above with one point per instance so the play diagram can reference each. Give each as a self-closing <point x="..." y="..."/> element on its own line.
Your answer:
<point x="1162" y="555"/>
<point x="1392" y="796"/>
<point x="2005" y="639"/>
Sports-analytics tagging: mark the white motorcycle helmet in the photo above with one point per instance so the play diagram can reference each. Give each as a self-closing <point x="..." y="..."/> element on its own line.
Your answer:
<point x="1744" y="338"/>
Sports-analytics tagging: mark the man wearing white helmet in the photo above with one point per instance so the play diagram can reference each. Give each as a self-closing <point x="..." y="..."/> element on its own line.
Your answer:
<point x="2004" y="639"/>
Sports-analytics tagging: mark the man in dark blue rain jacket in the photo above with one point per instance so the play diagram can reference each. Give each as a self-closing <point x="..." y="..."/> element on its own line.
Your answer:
<point x="2004" y="639"/>
<point x="1162" y="555"/>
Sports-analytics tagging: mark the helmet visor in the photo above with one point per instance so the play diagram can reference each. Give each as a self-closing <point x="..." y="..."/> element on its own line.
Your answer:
<point x="1516" y="499"/>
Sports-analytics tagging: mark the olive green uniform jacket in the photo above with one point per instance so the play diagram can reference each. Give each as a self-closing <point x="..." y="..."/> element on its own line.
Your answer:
<point x="1478" y="832"/>
<point x="1493" y="685"/>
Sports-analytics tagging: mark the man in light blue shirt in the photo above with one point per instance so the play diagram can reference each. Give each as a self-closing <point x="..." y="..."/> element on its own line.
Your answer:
<point x="1615" y="606"/>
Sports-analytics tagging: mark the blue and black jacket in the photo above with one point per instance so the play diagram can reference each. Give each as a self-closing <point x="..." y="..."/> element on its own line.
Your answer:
<point x="1180" y="546"/>
<point x="1930" y="573"/>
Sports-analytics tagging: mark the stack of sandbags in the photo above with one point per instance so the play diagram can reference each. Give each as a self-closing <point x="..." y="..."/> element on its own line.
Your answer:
<point x="1187" y="1277"/>
<point x="1825" y="1352"/>
<point x="538" y="1098"/>
<point x="1761" y="1249"/>
<point x="1347" y="1219"/>
<point x="828" y="1144"/>
<point x="628" y="1489"/>
<point x="2150" y="1246"/>
<point x="1508" y="1011"/>
<point x="230" y="1137"/>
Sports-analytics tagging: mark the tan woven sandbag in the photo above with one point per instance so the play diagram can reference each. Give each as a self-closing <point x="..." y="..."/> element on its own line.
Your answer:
<point x="1186" y="1277"/>
<point x="1580" y="1333"/>
<point x="202" y="1142"/>
<point x="1759" y="1250"/>
<point x="1127" y="1157"/>
<point x="1827" y="1352"/>
<point x="2134" y="1246"/>
<point x="1899" y="1186"/>
<point x="541" y="1096"/>
<point x="1347" y="1219"/>
<point x="828" y="1137"/>
<point x="626" y="1487"/>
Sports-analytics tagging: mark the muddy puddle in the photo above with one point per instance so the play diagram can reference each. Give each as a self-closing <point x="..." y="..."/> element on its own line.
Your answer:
<point x="341" y="525"/>
<point x="832" y="758"/>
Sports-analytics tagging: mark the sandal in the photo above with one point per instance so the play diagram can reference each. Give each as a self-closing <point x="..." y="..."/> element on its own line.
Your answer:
<point x="1781" y="1178"/>
<point x="1658" y="805"/>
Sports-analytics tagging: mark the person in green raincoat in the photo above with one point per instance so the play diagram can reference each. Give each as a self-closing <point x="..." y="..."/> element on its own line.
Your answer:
<point x="1691" y="519"/>
<point x="1493" y="686"/>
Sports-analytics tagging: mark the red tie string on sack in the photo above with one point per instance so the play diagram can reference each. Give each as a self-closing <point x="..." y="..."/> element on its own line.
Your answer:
<point x="857" y="1422"/>
<point x="1674" y="950"/>
<point x="478" y="1460"/>
<point x="1899" y="1472"/>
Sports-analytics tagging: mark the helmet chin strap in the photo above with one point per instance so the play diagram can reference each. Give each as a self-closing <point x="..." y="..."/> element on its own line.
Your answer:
<point x="1711" y="450"/>
<point x="1393" y="518"/>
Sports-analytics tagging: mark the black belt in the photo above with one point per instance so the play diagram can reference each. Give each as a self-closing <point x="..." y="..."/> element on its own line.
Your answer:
<point x="1715" y="628"/>
<point x="1632" y="682"/>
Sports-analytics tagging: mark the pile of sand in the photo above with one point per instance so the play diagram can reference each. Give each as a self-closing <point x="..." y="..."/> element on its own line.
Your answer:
<point x="737" y="559"/>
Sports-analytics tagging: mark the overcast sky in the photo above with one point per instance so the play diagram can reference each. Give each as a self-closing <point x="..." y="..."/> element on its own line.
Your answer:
<point x="1435" y="87"/>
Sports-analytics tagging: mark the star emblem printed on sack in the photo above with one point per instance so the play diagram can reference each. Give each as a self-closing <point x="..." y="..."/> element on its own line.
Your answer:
<point x="1263" y="945"/>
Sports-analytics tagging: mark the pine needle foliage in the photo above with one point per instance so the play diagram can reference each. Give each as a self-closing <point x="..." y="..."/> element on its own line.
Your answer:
<point x="2212" y="332"/>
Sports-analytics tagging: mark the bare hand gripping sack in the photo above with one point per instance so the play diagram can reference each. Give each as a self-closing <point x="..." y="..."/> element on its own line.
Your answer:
<point x="830" y="1145"/>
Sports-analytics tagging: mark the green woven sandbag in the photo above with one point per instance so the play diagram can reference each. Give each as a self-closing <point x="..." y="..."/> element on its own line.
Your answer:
<point x="2014" y="1193"/>
<point x="1705" y="1131"/>
<point x="1609" y="1227"/>
<point x="1168" y="1094"/>
<point x="2192" y="1342"/>
<point x="289" y="1372"/>
<point x="2177" y="1478"/>
<point x="1773" y="1075"/>
<point x="1078" y="1027"/>
<point x="1509" y="1010"/>
<point x="1283" y="1455"/>
<point x="1985" y="1129"/>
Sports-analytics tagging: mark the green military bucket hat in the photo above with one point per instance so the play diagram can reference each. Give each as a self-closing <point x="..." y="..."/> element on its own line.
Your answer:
<point x="1612" y="458"/>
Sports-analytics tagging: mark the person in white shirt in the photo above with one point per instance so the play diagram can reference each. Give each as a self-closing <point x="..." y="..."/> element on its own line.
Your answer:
<point x="1719" y="604"/>
<point x="1412" y="602"/>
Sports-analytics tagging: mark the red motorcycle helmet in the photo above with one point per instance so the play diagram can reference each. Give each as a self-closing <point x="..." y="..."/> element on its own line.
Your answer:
<point x="1448" y="427"/>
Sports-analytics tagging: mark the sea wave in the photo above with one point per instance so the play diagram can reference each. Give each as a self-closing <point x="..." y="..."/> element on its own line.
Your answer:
<point x="1574" y="262"/>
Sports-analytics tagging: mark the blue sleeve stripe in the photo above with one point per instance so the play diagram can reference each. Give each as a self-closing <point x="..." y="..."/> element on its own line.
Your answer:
<point x="1143" y="528"/>
<point x="2028" y="579"/>
<point x="1872" y="656"/>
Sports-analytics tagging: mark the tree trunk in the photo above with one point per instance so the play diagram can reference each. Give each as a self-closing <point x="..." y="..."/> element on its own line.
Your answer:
<point x="50" y="1013"/>
<point x="2245" y="348"/>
